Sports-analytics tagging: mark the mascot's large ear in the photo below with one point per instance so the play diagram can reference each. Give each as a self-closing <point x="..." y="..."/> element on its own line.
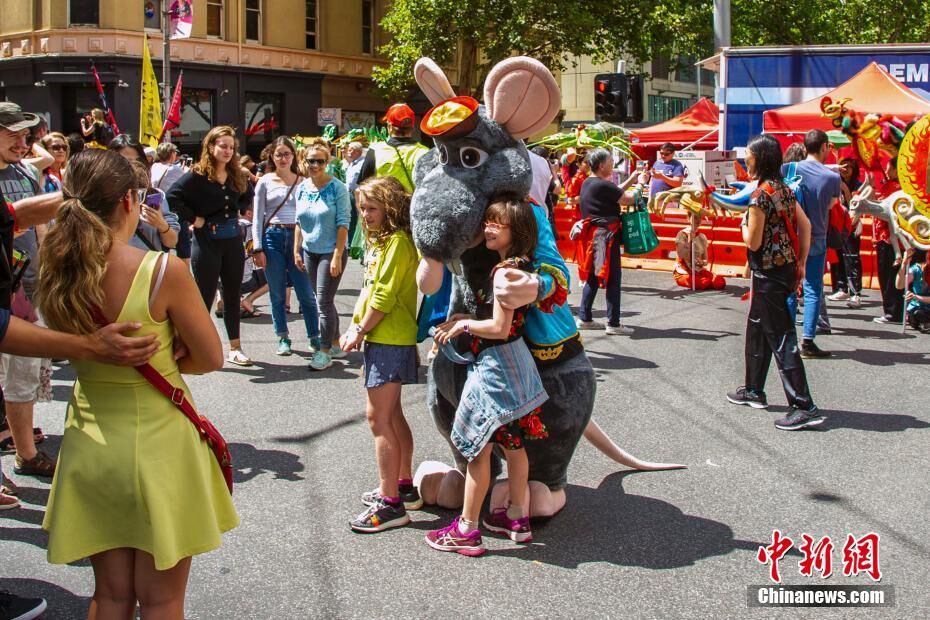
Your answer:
<point x="522" y="96"/>
<point x="432" y="81"/>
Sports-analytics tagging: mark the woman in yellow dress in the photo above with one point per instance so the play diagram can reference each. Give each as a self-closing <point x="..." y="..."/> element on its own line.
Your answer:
<point x="136" y="489"/>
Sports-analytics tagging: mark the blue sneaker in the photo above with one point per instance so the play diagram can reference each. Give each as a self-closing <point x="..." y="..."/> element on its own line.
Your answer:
<point x="337" y="353"/>
<point x="315" y="344"/>
<point x="284" y="347"/>
<point x="321" y="361"/>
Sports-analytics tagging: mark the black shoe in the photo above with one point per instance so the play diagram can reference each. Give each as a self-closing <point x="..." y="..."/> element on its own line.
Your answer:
<point x="796" y="419"/>
<point x="742" y="396"/>
<point x="824" y="331"/>
<point x="379" y="517"/>
<point x="14" y="607"/>
<point x="809" y="351"/>
<point x="408" y="494"/>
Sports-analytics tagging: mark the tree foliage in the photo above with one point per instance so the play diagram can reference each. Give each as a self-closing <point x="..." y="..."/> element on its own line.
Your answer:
<point x="476" y="34"/>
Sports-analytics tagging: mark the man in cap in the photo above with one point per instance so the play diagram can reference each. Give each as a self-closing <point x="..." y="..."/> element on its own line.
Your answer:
<point x="399" y="154"/>
<point x="20" y="376"/>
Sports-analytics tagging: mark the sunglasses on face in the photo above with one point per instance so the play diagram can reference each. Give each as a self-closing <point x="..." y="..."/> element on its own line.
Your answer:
<point x="316" y="162"/>
<point x="282" y="155"/>
<point x="57" y="147"/>
<point x="667" y="153"/>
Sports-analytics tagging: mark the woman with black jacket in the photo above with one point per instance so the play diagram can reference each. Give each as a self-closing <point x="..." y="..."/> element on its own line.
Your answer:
<point x="211" y="197"/>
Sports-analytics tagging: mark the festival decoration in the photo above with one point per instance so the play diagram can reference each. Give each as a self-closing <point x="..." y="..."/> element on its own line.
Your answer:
<point x="603" y="135"/>
<point x="875" y="137"/>
<point x="914" y="176"/>
<point x="908" y="226"/>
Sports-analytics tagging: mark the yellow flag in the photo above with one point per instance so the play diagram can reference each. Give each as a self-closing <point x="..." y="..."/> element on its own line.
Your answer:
<point x="150" y="109"/>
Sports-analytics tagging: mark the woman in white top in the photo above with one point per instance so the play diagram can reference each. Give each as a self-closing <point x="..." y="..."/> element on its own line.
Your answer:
<point x="273" y="222"/>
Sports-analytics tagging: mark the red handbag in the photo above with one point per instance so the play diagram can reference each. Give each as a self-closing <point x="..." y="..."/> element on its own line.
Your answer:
<point x="176" y="395"/>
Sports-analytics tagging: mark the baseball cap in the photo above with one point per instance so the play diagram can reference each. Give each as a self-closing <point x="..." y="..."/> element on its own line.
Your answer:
<point x="399" y="115"/>
<point x="13" y="118"/>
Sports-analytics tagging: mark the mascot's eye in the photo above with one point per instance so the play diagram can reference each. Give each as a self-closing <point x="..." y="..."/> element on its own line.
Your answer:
<point x="443" y="154"/>
<point x="472" y="157"/>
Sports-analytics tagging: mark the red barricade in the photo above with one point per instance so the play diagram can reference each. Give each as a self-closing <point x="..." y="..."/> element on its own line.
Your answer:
<point x="726" y="251"/>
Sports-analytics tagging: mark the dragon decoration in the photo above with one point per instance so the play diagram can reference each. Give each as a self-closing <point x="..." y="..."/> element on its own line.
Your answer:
<point x="604" y="135"/>
<point x="876" y="139"/>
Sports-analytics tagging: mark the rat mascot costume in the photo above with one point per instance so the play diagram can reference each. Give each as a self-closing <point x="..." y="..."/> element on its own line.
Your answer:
<point x="478" y="154"/>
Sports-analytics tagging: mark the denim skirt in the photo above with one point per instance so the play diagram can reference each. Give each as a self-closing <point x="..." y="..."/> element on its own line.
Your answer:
<point x="390" y="363"/>
<point x="503" y="385"/>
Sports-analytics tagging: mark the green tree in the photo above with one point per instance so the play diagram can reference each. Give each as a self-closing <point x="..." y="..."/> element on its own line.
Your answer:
<point x="480" y="33"/>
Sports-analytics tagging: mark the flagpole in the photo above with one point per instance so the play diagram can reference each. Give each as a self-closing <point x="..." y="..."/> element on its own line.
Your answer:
<point x="166" y="61"/>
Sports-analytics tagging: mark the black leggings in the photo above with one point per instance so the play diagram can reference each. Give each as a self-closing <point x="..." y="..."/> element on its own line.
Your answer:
<point x="770" y="332"/>
<point x="892" y="297"/>
<point x="216" y="260"/>
<point x="846" y="274"/>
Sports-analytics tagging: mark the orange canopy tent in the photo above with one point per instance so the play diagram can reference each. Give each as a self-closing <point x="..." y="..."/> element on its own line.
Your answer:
<point x="696" y="126"/>
<point x="872" y="90"/>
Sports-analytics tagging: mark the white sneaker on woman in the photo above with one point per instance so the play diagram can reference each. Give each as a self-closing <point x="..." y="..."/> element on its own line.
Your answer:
<point x="618" y="330"/>
<point x="838" y="296"/>
<point x="854" y="302"/>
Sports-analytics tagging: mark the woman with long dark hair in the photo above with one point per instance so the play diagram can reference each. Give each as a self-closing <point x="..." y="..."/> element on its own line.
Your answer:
<point x="274" y="226"/>
<point x="211" y="196"/>
<point x="136" y="489"/>
<point x="777" y="235"/>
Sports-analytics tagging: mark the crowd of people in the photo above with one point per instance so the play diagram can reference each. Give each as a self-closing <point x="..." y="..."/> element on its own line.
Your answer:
<point x="137" y="234"/>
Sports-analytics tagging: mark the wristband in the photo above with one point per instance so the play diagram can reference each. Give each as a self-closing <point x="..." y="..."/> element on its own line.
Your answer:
<point x="465" y="327"/>
<point x="161" y="232"/>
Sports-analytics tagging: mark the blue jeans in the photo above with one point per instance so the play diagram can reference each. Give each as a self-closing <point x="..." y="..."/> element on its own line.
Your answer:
<point x="278" y="245"/>
<point x="813" y="295"/>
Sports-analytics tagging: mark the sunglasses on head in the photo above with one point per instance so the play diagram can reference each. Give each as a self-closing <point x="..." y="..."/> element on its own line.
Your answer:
<point x="316" y="162"/>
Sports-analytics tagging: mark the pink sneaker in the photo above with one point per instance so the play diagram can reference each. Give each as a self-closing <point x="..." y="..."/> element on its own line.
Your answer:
<point x="517" y="530"/>
<point x="450" y="539"/>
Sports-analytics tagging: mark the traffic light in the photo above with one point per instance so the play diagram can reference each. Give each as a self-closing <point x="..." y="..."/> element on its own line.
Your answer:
<point x="618" y="98"/>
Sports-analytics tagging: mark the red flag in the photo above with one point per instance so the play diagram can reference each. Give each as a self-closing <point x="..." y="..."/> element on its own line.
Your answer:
<point x="173" y="118"/>
<point x="103" y="101"/>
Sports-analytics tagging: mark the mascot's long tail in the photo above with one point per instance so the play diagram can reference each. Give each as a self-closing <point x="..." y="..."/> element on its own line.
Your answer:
<point x="599" y="439"/>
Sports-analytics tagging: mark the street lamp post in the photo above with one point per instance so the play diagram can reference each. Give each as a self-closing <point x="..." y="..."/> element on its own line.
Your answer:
<point x="166" y="61"/>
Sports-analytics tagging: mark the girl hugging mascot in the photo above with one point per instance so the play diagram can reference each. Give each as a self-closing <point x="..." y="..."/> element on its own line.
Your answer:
<point x="479" y="154"/>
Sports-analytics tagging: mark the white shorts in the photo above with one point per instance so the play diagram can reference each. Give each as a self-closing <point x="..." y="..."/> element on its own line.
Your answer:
<point x="20" y="377"/>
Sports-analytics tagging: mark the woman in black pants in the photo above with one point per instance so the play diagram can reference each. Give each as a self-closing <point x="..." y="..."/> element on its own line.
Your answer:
<point x="777" y="234"/>
<point x="211" y="197"/>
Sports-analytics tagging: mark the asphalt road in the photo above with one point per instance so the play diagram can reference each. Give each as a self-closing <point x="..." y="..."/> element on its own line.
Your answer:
<point x="676" y="544"/>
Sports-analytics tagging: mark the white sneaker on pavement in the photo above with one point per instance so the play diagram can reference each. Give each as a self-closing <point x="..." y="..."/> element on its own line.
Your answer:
<point x="618" y="330"/>
<point x="854" y="302"/>
<point x="588" y="324"/>
<point x="838" y="296"/>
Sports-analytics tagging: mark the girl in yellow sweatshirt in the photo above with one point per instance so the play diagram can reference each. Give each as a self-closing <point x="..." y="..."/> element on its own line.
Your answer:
<point x="385" y="321"/>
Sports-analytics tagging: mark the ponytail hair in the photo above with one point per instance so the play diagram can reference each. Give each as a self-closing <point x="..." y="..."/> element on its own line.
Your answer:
<point x="73" y="258"/>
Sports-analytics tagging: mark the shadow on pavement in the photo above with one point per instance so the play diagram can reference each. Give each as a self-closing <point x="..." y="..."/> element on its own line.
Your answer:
<point x="265" y="372"/>
<point x="62" y="604"/>
<point x="875" y="357"/>
<point x="876" y="422"/>
<point x="609" y="525"/>
<point x="249" y="462"/>
<point x="602" y="360"/>
<point x="680" y="333"/>
<point x="307" y="438"/>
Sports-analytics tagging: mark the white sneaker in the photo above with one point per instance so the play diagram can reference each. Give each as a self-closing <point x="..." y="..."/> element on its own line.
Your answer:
<point x="838" y="296"/>
<point x="618" y="330"/>
<point x="854" y="302"/>
<point x="588" y="324"/>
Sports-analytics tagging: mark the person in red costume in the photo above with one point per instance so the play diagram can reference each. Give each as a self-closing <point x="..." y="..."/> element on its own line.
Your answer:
<point x="704" y="278"/>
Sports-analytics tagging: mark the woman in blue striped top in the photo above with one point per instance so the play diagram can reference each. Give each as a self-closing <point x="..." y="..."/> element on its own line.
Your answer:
<point x="274" y="223"/>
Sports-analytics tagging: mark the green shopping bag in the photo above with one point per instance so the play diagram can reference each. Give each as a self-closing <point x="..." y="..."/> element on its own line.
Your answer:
<point x="637" y="234"/>
<point x="357" y="245"/>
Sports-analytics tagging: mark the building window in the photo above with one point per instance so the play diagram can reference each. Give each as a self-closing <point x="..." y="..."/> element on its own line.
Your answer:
<point x="311" y="24"/>
<point x="84" y="12"/>
<point x="262" y="120"/>
<point x="152" y="10"/>
<point x="253" y="21"/>
<point x="663" y="108"/>
<point x="197" y="109"/>
<point x="368" y="18"/>
<point x="215" y="18"/>
<point x="660" y="68"/>
<point x="686" y="72"/>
